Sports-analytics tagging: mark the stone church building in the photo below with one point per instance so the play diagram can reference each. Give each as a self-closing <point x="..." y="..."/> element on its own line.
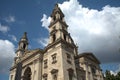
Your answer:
<point x="59" y="60"/>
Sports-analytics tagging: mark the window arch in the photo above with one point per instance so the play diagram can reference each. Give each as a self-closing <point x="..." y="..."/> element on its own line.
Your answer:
<point x="24" y="46"/>
<point x="27" y="74"/>
<point x="70" y="73"/>
<point x="54" y="37"/>
<point x="54" y="18"/>
<point x="54" y="73"/>
<point x="64" y="37"/>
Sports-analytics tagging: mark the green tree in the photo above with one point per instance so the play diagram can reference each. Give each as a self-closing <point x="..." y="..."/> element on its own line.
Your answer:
<point x="118" y="76"/>
<point x="109" y="76"/>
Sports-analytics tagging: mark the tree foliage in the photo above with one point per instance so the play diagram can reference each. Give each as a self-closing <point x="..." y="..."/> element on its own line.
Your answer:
<point x="109" y="76"/>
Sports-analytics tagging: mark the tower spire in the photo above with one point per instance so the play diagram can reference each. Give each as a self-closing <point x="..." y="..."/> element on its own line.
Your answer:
<point x="23" y="45"/>
<point x="57" y="14"/>
<point x="24" y="36"/>
<point x="58" y="28"/>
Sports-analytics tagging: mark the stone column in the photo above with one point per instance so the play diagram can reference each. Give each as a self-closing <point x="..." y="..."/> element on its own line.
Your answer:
<point x="40" y="67"/>
<point x="86" y="69"/>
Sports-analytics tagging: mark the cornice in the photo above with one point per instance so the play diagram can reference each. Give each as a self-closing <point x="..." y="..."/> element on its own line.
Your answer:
<point x="52" y="23"/>
<point x="27" y="55"/>
<point x="57" y="42"/>
<point x="86" y="55"/>
<point x="13" y="67"/>
<point x="31" y="54"/>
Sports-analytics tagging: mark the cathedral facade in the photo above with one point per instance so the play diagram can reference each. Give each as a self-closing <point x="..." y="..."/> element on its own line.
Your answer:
<point x="59" y="60"/>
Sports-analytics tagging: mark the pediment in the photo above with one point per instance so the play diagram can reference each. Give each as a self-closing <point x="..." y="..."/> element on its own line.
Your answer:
<point x="31" y="53"/>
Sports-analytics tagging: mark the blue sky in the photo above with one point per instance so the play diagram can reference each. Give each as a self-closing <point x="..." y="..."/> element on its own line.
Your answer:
<point x="93" y="24"/>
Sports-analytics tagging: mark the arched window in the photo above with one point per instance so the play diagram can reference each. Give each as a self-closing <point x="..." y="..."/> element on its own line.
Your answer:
<point x="54" y="18"/>
<point x="70" y="74"/>
<point x="11" y="77"/>
<point x="54" y="37"/>
<point x="45" y="76"/>
<point x="54" y="60"/>
<point x="24" y="46"/>
<point x="27" y="74"/>
<point x="61" y="18"/>
<point x="64" y="37"/>
<point x="54" y="73"/>
<point x="55" y="77"/>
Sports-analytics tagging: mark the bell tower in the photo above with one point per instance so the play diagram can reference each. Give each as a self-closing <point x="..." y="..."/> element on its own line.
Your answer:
<point x="60" y="51"/>
<point x="57" y="27"/>
<point x="23" y="45"/>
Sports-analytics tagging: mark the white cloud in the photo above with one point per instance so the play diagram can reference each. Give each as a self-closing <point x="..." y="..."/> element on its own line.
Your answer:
<point x="45" y="21"/>
<point x="93" y="30"/>
<point x="43" y="41"/>
<point x="3" y="28"/>
<point x="116" y="71"/>
<point x="7" y="53"/>
<point x="10" y="19"/>
<point x="112" y="72"/>
<point x="13" y="37"/>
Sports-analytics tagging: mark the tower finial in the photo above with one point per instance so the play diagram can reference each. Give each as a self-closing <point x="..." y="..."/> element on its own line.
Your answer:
<point x="24" y="36"/>
<point x="57" y="14"/>
<point x="56" y="5"/>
